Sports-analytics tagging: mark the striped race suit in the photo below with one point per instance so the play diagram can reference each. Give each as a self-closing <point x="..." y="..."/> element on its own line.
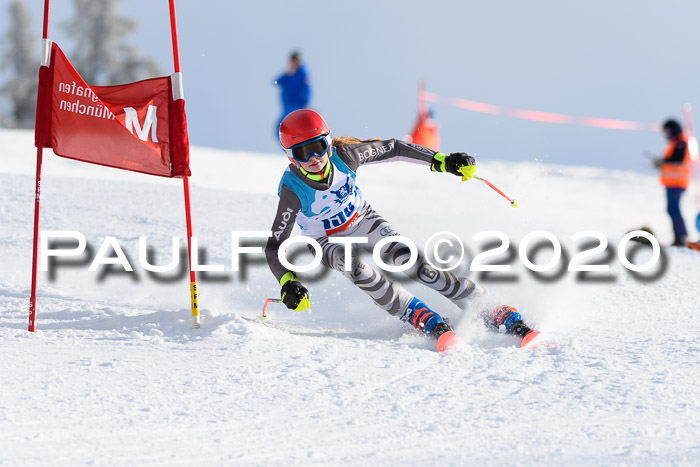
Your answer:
<point x="335" y="207"/>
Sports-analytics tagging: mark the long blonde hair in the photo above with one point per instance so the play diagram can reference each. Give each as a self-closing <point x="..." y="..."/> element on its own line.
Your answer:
<point x="346" y="140"/>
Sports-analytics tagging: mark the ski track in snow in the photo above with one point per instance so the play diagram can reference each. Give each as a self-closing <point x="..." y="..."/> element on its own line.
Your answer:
<point x="115" y="376"/>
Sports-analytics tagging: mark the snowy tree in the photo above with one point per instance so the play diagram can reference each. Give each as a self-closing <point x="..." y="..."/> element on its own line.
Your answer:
<point x="101" y="55"/>
<point x="20" y="61"/>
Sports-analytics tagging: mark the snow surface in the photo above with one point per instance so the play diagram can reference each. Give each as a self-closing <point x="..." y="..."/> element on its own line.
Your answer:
<point x="115" y="376"/>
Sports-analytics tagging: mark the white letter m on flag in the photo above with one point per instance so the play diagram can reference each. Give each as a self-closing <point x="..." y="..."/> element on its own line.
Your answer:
<point x="132" y="123"/>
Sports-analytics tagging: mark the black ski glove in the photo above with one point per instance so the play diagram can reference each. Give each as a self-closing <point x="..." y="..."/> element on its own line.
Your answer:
<point x="294" y="295"/>
<point x="457" y="163"/>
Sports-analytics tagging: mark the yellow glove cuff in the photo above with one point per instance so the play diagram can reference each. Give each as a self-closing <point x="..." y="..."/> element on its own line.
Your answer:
<point x="438" y="164"/>
<point x="288" y="276"/>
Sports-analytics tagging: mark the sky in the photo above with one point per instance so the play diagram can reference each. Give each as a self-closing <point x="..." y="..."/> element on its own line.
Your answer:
<point x="620" y="59"/>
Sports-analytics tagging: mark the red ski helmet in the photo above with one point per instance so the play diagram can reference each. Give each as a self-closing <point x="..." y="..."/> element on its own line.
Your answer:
<point x="302" y="125"/>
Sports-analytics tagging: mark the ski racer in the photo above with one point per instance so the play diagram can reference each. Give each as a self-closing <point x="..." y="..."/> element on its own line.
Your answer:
<point x="319" y="190"/>
<point x="675" y="176"/>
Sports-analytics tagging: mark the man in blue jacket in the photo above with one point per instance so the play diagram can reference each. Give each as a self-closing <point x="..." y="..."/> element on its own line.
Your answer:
<point x="296" y="90"/>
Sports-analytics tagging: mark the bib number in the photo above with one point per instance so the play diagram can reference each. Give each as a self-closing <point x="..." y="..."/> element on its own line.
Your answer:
<point x="339" y="219"/>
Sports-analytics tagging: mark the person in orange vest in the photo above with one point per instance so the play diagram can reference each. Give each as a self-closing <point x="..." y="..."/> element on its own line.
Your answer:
<point x="675" y="176"/>
<point x="426" y="132"/>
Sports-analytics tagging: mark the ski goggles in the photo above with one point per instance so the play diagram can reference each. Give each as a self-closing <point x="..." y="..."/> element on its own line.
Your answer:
<point x="316" y="147"/>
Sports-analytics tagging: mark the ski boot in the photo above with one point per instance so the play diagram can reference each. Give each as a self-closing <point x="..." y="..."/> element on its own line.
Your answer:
<point x="509" y="317"/>
<point x="430" y="323"/>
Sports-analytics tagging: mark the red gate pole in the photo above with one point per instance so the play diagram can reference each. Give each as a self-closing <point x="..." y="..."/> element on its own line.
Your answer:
<point x="35" y="251"/>
<point x="196" y="319"/>
<point x="37" y="200"/>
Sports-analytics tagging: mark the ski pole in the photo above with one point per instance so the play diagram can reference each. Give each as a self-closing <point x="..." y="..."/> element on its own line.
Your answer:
<point x="267" y="302"/>
<point x="513" y="202"/>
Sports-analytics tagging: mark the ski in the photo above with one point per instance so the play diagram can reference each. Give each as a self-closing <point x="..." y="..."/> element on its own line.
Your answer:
<point x="529" y="339"/>
<point x="446" y="339"/>
<point x="447" y="342"/>
<point x="533" y="340"/>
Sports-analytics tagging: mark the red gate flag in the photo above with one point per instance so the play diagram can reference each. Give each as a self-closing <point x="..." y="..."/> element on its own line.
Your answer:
<point x="138" y="126"/>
